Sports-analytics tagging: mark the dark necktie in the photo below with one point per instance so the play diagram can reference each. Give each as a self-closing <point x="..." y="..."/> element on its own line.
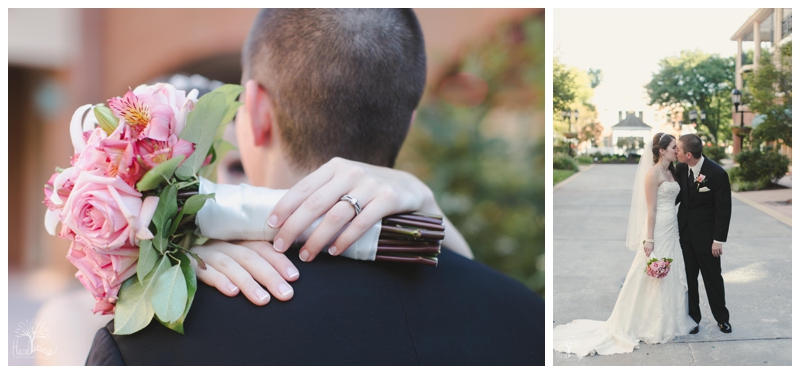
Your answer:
<point x="692" y="187"/>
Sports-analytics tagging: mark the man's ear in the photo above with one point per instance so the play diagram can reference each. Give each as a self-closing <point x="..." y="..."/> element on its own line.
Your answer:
<point x="258" y="105"/>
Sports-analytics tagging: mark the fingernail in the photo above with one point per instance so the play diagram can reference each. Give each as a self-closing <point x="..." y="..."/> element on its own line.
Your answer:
<point x="284" y="289"/>
<point x="292" y="272"/>
<point x="304" y="255"/>
<point x="273" y="221"/>
<point x="332" y="250"/>
<point x="233" y="288"/>
<point x="278" y="245"/>
<point x="261" y="294"/>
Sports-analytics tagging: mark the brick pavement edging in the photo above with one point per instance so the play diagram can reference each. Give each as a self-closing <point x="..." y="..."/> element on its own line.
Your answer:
<point x="768" y="211"/>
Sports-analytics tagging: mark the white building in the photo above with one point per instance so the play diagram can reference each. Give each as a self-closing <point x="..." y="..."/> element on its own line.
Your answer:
<point x="633" y="129"/>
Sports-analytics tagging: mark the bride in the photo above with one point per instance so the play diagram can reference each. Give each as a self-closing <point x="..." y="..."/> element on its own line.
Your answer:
<point x="648" y="310"/>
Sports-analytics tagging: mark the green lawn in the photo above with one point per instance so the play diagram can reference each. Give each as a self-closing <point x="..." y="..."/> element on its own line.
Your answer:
<point x="560" y="175"/>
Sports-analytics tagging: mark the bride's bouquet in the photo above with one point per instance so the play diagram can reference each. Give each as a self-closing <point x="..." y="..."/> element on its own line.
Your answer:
<point x="137" y="198"/>
<point x="658" y="268"/>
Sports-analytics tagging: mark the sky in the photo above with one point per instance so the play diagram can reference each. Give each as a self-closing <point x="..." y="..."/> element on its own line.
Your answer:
<point x="626" y="44"/>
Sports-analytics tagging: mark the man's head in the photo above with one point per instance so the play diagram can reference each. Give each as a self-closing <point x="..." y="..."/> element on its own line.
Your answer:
<point x="690" y="147"/>
<point x="322" y="83"/>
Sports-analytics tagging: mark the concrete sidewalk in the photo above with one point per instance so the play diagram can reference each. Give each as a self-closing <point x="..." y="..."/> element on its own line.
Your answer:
<point x="590" y="261"/>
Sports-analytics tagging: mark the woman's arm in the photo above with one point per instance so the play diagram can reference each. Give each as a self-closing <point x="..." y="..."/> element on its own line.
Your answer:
<point x="380" y="192"/>
<point x="651" y="191"/>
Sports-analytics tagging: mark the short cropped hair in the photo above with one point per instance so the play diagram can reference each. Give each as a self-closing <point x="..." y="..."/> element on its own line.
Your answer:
<point x="343" y="82"/>
<point x="693" y="144"/>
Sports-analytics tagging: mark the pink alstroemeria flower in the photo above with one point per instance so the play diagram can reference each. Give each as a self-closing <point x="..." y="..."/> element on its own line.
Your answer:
<point x="154" y="152"/>
<point x="144" y="117"/>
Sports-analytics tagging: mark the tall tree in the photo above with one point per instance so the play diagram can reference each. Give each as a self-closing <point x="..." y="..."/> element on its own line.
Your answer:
<point x="698" y="80"/>
<point x="769" y="92"/>
<point x="563" y="87"/>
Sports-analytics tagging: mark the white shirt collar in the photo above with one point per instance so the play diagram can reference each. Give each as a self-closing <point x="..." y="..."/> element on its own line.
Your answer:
<point x="696" y="168"/>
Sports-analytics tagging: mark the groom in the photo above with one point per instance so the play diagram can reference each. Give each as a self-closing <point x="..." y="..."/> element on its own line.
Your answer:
<point x="703" y="220"/>
<point x="341" y="83"/>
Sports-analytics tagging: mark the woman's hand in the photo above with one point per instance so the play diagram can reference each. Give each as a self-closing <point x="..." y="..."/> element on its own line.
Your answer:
<point x="231" y="267"/>
<point x="380" y="192"/>
<point x="648" y="248"/>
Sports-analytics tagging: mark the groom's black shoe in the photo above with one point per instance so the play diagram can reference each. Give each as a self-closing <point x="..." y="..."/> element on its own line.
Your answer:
<point x="725" y="327"/>
<point x="695" y="330"/>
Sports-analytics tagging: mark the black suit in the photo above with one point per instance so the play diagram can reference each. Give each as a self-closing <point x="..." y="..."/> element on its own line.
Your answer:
<point x="348" y="312"/>
<point x="704" y="216"/>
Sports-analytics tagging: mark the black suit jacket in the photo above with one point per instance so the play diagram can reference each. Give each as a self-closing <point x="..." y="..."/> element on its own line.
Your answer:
<point x="707" y="214"/>
<point x="348" y="312"/>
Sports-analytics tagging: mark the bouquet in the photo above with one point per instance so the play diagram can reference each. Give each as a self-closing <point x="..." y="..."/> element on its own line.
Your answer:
<point x="658" y="268"/>
<point x="137" y="196"/>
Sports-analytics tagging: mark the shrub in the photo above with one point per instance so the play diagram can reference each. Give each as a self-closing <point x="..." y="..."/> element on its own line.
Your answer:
<point x="715" y="153"/>
<point x="564" y="162"/>
<point x="605" y="159"/>
<point x="760" y="167"/>
<point x="584" y="160"/>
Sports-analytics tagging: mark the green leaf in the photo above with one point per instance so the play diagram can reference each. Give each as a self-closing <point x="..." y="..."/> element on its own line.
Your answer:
<point x="160" y="243"/>
<point x="195" y="203"/>
<point x="201" y="125"/>
<point x="134" y="309"/>
<point x="182" y="185"/>
<point x="231" y="112"/>
<point x="232" y="91"/>
<point x="105" y="117"/>
<point x="175" y="222"/>
<point x="191" y="287"/>
<point x="165" y="210"/>
<point x="147" y="259"/>
<point x="159" y="174"/>
<point x="169" y="295"/>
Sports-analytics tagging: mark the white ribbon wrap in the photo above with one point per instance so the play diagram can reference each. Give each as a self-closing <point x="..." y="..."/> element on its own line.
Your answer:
<point x="241" y="213"/>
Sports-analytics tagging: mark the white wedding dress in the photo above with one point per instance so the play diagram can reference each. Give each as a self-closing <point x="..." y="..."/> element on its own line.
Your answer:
<point x="648" y="310"/>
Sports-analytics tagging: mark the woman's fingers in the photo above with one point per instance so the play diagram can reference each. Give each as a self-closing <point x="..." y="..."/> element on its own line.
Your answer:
<point x="316" y="205"/>
<point x="213" y="278"/>
<point x="378" y="208"/>
<point x="246" y="266"/>
<point x="332" y="224"/>
<point x="234" y="271"/>
<point x="278" y="261"/>
<point x="337" y="218"/>
<point x="299" y="193"/>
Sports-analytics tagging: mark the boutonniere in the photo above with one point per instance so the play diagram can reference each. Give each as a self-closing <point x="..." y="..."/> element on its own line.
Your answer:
<point x="700" y="181"/>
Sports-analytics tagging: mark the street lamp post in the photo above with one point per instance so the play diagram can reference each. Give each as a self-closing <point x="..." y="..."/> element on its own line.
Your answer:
<point x="736" y="97"/>
<point x="567" y="115"/>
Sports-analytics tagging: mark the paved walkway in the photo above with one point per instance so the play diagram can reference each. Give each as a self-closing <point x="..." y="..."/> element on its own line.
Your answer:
<point x="590" y="261"/>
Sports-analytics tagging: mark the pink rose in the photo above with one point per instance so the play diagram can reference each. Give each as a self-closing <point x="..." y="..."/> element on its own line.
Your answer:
<point x="92" y="157"/>
<point x="700" y="178"/>
<point x="102" y="271"/>
<point x="107" y="211"/>
<point x="62" y="184"/>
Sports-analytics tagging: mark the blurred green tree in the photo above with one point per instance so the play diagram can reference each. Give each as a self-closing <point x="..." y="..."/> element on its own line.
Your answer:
<point x="478" y="143"/>
<point x="769" y="93"/>
<point x="695" y="79"/>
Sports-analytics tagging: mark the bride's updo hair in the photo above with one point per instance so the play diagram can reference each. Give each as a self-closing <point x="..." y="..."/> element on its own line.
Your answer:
<point x="662" y="141"/>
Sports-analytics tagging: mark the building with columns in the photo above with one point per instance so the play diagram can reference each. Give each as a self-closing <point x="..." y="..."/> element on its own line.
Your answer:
<point x="766" y="29"/>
